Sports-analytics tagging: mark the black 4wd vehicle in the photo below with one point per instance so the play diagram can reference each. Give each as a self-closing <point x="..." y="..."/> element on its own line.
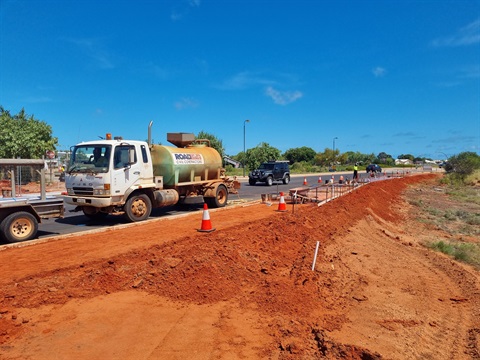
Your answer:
<point x="374" y="168"/>
<point x="269" y="172"/>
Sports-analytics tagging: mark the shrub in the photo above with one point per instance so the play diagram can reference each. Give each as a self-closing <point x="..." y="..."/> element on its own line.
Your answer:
<point x="465" y="252"/>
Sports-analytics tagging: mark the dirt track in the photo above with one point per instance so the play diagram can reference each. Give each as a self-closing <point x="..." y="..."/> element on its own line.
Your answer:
<point x="161" y="290"/>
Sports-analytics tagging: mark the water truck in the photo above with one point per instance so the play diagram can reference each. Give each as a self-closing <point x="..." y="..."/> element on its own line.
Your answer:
<point x="130" y="177"/>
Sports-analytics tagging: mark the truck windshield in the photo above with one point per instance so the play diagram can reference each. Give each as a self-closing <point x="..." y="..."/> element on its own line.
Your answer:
<point x="90" y="159"/>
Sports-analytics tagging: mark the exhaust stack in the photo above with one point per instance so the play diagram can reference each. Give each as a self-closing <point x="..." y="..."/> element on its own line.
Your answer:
<point x="150" y="133"/>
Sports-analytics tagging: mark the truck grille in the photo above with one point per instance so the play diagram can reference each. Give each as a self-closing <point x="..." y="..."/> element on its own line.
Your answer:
<point x="83" y="191"/>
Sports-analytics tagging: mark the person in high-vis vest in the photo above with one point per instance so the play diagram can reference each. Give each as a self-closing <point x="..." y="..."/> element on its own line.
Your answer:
<point x="355" y="172"/>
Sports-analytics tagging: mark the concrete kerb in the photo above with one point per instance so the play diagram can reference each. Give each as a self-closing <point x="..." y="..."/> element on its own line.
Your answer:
<point x="122" y="226"/>
<point x="119" y="226"/>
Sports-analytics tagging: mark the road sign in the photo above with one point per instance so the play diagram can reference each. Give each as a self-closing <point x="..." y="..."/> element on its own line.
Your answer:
<point x="50" y="154"/>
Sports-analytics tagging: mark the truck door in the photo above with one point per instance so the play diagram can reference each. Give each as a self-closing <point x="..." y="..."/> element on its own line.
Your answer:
<point x="126" y="168"/>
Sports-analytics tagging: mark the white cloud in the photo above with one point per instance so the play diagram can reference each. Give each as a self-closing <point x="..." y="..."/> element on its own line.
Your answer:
<point x="467" y="35"/>
<point x="157" y="71"/>
<point x="379" y="71"/>
<point x="37" y="99"/>
<point x="244" y="80"/>
<point x="93" y="49"/>
<point x="175" y="16"/>
<point x="471" y="72"/>
<point x="283" y="97"/>
<point x="179" y="14"/>
<point x="405" y="133"/>
<point x="185" y="103"/>
<point x="460" y="76"/>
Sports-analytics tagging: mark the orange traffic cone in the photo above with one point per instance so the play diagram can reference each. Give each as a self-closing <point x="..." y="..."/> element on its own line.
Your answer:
<point x="282" y="206"/>
<point x="319" y="179"/>
<point x="305" y="181"/>
<point x="206" y="223"/>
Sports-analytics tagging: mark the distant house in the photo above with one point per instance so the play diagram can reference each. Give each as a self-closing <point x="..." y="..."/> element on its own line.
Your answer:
<point x="403" y="162"/>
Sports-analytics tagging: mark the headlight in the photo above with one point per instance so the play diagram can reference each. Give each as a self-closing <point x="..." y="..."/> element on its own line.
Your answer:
<point x="101" y="192"/>
<point x="70" y="191"/>
<point x="104" y="191"/>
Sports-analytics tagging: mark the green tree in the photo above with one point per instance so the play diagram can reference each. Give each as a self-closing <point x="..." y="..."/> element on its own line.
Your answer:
<point x="463" y="164"/>
<point x="406" y="156"/>
<point x="23" y="136"/>
<point x="329" y="157"/>
<point x="324" y="158"/>
<point x="303" y="153"/>
<point x="259" y="154"/>
<point x="384" y="158"/>
<point x="216" y="143"/>
<point x="240" y="157"/>
<point x="353" y="157"/>
<point x="358" y="157"/>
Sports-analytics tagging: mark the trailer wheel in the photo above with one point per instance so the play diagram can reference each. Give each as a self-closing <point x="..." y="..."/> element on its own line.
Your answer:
<point x="220" y="199"/>
<point x="137" y="208"/>
<point x="19" y="226"/>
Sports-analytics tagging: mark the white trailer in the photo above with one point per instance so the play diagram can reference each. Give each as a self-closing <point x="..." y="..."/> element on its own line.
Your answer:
<point x="20" y="215"/>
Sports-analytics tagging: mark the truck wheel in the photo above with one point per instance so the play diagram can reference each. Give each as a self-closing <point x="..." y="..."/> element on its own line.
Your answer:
<point x="269" y="181"/>
<point x="19" y="226"/>
<point x="92" y="213"/>
<point x="220" y="199"/>
<point x="137" y="208"/>
<point x="286" y="180"/>
<point x="252" y="182"/>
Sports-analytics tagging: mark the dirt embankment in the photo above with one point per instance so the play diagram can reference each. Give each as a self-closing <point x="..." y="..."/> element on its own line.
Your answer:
<point x="161" y="290"/>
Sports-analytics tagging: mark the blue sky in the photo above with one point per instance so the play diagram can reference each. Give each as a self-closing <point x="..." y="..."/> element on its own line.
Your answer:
<point x="401" y="77"/>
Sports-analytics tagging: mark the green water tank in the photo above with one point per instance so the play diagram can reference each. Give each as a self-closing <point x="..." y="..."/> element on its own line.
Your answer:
<point x="195" y="162"/>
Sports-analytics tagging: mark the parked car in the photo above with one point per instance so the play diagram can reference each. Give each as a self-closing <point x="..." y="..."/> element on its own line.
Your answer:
<point x="269" y="172"/>
<point x="374" y="167"/>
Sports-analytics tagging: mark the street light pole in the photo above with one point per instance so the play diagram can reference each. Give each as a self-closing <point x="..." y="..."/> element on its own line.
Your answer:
<point x="244" y="153"/>
<point x="333" y="155"/>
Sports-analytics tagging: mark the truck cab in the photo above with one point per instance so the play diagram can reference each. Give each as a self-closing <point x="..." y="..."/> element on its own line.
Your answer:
<point x="102" y="174"/>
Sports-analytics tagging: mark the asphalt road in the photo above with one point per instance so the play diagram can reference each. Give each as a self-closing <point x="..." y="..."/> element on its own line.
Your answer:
<point x="75" y="222"/>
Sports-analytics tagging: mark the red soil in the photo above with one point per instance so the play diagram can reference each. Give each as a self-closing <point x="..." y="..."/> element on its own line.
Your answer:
<point x="162" y="290"/>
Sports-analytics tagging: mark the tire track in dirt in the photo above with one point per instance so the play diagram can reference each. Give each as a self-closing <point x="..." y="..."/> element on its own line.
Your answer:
<point x="423" y="298"/>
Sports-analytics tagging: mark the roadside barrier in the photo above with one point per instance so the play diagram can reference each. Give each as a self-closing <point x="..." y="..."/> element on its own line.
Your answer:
<point x="322" y="193"/>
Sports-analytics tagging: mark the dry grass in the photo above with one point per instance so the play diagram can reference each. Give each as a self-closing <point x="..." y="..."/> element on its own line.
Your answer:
<point x="452" y="214"/>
